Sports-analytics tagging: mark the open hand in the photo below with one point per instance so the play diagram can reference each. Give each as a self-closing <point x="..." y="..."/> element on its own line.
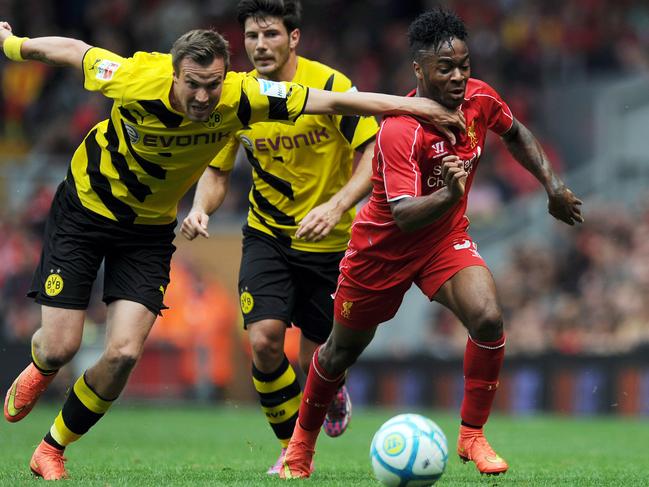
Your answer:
<point x="444" y="119"/>
<point x="565" y="206"/>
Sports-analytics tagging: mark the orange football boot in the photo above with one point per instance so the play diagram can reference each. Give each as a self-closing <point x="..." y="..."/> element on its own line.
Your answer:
<point x="48" y="462"/>
<point x="473" y="446"/>
<point x="298" y="461"/>
<point x="24" y="392"/>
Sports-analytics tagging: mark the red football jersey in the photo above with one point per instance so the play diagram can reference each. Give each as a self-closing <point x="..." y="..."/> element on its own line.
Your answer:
<point x="408" y="163"/>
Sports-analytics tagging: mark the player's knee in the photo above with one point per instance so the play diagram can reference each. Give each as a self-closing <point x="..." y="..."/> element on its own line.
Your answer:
<point x="121" y="360"/>
<point x="335" y="357"/>
<point x="488" y="326"/>
<point x="267" y="350"/>
<point x="56" y="356"/>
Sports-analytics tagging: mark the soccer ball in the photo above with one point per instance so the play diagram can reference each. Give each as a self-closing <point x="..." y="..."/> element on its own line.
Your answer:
<point x="409" y="450"/>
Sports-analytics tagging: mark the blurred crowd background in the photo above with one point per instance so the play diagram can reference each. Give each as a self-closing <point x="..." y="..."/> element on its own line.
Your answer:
<point x="570" y="291"/>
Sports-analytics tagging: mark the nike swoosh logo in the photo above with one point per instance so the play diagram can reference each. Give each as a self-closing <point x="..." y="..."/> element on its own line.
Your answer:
<point x="11" y="403"/>
<point x="494" y="459"/>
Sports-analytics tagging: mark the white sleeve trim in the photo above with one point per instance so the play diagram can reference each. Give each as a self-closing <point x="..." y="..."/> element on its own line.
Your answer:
<point x="397" y="198"/>
<point x="507" y="112"/>
<point x="412" y="163"/>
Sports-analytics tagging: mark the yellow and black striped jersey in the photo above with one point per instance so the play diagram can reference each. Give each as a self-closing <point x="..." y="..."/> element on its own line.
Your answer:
<point x="298" y="167"/>
<point x="135" y="166"/>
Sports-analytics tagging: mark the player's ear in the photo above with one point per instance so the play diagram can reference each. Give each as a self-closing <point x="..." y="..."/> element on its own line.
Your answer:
<point x="294" y="38"/>
<point x="418" y="72"/>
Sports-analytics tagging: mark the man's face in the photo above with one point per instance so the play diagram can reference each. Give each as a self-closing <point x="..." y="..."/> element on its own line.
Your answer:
<point x="268" y="44"/>
<point x="442" y="75"/>
<point x="197" y="89"/>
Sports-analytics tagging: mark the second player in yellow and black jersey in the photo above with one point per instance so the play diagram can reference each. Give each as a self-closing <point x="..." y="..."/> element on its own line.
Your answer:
<point x="135" y="166"/>
<point x="298" y="167"/>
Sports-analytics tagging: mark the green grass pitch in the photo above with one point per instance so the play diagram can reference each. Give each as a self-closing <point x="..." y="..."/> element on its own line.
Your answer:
<point x="233" y="446"/>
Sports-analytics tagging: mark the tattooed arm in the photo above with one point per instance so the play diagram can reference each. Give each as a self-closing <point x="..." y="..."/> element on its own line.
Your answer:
<point x="57" y="51"/>
<point x="562" y="203"/>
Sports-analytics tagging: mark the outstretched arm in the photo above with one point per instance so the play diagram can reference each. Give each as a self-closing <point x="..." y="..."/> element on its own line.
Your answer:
<point x="57" y="51"/>
<point x="562" y="203"/>
<point x="317" y="224"/>
<point x="362" y="103"/>
<point x="210" y="193"/>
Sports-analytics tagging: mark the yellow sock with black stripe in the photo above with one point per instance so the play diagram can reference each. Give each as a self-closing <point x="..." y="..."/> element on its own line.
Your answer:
<point x="279" y="395"/>
<point x="41" y="368"/>
<point x="82" y="409"/>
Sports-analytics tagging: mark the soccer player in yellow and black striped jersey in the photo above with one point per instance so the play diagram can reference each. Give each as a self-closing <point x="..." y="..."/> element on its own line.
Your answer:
<point x="172" y="114"/>
<point x="302" y="203"/>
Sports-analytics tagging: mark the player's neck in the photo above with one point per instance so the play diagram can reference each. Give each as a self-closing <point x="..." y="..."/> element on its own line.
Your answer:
<point x="286" y="72"/>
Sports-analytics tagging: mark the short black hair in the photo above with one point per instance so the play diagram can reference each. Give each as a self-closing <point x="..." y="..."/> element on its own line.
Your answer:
<point x="433" y="28"/>
<point x="201" y="46"/>
<point x="290" y="11"/>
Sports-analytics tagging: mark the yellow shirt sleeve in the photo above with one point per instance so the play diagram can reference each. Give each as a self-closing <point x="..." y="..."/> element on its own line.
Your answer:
<point x="356" y="129"/>
<point x="226" y="157"/>
<point x="273" y="101"/>
<point x="106" y="72"/>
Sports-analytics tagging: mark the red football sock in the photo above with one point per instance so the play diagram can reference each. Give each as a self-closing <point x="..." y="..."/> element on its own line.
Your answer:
<point x="482" y="364"/>
<point x="319" y="391"/>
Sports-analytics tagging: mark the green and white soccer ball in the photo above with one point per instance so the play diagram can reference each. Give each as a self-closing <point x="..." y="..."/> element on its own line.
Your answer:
<point x="409" y="450"/>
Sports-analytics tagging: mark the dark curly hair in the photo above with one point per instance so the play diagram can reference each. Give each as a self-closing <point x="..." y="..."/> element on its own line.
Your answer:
<point x="432" y="29"/>
<point x="290" y="11"/>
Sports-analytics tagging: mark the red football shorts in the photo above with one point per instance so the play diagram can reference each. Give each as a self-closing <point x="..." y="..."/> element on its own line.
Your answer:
<point x="370" y="291"/>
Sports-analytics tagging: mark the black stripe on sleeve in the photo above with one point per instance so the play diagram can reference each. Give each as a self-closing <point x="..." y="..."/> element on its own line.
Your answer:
<point x="267" y="207"/>
<point x="101" y="185"/>
<point x="330" y="83"/>
<point x="157" y="107"/>
<point x="244" y="110"/>
<point x="277" y="108"/>
<point x="134" y="186"/>
<point x="151" y="168"/>
<point x="306" y="99"/>
<point x="348" y="124"/>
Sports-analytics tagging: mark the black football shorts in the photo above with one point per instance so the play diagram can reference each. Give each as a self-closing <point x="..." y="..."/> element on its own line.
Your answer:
<point x="136" y="257"/>
<point x="278" y="282"/>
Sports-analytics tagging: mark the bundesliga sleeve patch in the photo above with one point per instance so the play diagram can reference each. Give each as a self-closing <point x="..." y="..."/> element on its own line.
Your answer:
<point x="272" y="88"/>
<point x="106" y="69"/>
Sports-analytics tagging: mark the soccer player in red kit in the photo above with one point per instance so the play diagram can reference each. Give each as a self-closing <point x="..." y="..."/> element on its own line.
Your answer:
<point x="414" y="229"/>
